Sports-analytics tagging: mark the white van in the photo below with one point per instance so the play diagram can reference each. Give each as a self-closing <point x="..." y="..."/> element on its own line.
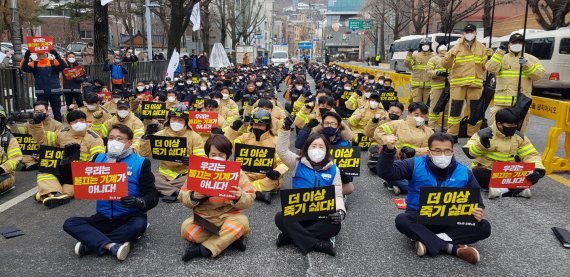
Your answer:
<point x="399" y="49"/>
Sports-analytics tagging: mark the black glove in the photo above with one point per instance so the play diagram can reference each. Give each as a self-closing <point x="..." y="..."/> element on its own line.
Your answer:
<point x="185" y="160"/>
<point x="313" y="123"/>
<point x="247" y="119"/>
<point x="273" y="174"/>
<point x="308" y="93"/>
<point x="151" y="129"/>
<point x="38" y="118"/>
<point x="217" y="131"/>
<point x="535" y="176"/>
<point x="133" y="202"/>
<point x="237" y="124"/>
<point x="345" y="179"/>
<point x="408" y="152"/>
<point x="502" y="47"/>
<point x="27" y="55"/>
<point x="337" y="217"/>
<point x="411" y="50"/>
<point x="485" y="136"/>
<point x="288" y="122"/>
<point x="441" y="73"/>
<point x="375" y="120"/>
<point x="70" y="149"/>
<point x="252" y="99"/>
<point x="359" y="92"/>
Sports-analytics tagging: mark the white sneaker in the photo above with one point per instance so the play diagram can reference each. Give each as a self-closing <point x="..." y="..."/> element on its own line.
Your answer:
<point x="526" y="193"/>
<point x="396" y="190"/>
<point x="494" y="193"/>
<point x="420" y="248"/>
<point x="123" y="251"/>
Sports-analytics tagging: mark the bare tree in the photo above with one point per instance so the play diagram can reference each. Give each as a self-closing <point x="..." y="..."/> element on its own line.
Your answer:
<point x="101" y="31"/>
<point x="419" y="16"/>
<point x="451" y="14"/>
<point x="205" y="23"/>
<point x="126" y="11"/>
<point x="487" y="16"/>
<point x="243" y="18"/>
<point x="550" y="14"/>
<point x="222" y="22"/>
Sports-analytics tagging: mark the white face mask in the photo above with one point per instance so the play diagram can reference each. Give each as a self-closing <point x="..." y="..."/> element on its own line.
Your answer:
<point x="469" y="36"/>
<point x="203" y="88"/>
<point x="115" y="148"/>
<point x="175" y="126"/>
<point x="420" y="121"/>
<point x="442" y="48"/>
<point x="176" y="79"/>
<point x="71" y="60"/>
<point x="258" y="84"/>
<point x="122" y="113"/>
<point x="316" y="155"/>
<point x="79" y="126"/>
<point x="380" y="82"/>
<point x="373" y="104"/>
<point x="91" y="107"/>
<point x="225" y="96"/>
<point x="425" y="48"/>
<point x="356" y="75"/>
<point x="171" y="99"/>
<point x="367" y="94"/>
<point x="117" y="61"/>
<point x="140" y="88"/>
<point x="328" y="76"/>
<point x="188" y="82"/>
<point x="217" y="158"/>
<point x="517" y="48"/>
<point x="371" y="81"/>
<point x="217" y="100"/>
<point x="347" y="88"/>
<point x="442" y="161"/>
<point x="299" y="87"/>
<point x="116" y="100"/>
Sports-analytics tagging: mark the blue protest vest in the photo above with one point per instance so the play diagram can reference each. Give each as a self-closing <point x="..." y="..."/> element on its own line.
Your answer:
<point x="111" y="209"/>
<point x="423" y="177"/>
<point x="116" y="72"/>
<point x="306" y="177"/>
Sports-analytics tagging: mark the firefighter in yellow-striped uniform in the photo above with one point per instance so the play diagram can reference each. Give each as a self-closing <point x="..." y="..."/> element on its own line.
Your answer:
<point x="126" y="117"/>
<point x="10" y="155"/>
<point x="260" y="135"/>
<point x="50" y="124"/>
<point x="412" y="139"/>
<point x="225" y="214"/>
<point x="211" y="105"/>
<point x="359" y="99"/>
<point x="92" y="106"/>
<point x="506" y="67"/>
<point x="172" y="175"/>
<point x="438" y="73"/>
<point x="230" y="110"/>
<point x="467" y="63"/>
<point x="76" y="139"/>
<point x="309" y="112"/>
<point x="501" y="142"/>
<point x="364" y="115"/>
<point x="420" y="80"/>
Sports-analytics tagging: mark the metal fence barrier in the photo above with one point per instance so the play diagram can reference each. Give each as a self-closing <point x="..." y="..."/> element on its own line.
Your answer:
<point x="17" y="87"/>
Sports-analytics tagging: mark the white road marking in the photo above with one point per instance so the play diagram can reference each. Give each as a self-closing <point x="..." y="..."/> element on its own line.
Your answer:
<point x="14" y="201"/>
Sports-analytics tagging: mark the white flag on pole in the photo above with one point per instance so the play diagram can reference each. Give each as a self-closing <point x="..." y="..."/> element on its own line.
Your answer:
<point x="173" y="64"/>
<point x="195" y="17"/>
<point x="105" y="2"/>
<point x="2" y="56"/>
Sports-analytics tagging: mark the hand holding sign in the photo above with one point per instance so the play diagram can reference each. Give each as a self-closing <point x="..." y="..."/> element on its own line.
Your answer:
<point x="479" y="214"/>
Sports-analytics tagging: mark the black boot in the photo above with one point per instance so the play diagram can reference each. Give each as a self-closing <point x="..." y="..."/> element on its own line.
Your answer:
<point x="192" y="251"/>
<point x="239" y="244"/>
<point x="283" y="240"/>
<point x="264" y="196"/>
<point x="325" y="246"/>
<point x="173" y="198"/>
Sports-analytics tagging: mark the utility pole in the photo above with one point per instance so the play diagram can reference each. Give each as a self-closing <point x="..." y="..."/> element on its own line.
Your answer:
<point x="147" y="6"/>
<point x="16" y="32"/>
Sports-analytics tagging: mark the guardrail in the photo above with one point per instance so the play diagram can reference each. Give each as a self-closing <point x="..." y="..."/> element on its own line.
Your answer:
<point x="558" y="111"/>
<point x="17" y="87"/>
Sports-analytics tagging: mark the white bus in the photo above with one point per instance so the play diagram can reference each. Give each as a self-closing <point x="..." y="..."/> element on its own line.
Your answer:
<point x="552" y="48"/>
<point x="399" y="49"/>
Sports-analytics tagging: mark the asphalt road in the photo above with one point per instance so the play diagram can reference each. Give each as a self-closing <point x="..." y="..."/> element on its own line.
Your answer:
<point x="521" y="243"/>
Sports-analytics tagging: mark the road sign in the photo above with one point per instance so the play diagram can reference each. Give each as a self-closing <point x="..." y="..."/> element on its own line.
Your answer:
<point x="360" y="24"/>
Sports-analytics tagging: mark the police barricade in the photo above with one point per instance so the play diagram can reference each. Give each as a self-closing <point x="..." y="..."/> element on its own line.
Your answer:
<point x="559" y="111"/>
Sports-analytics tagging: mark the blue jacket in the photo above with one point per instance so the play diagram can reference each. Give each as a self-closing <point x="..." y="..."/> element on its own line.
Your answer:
<point x="421" y="172"/>
<point x="46" y="74"/>
<point x="306" y="177"/>
<point x="140" y="182"/>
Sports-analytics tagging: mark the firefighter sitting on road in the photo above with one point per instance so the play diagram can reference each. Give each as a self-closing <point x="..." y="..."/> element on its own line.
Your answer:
<point x="50" y="124"/>
<point x="501" y="142"/>
<point x="78" y="142"/>
<point x="225" y="214"/>
<point x="417" y="63"/>
<point x="309" y="116"/>
<point x="260" y="135"/>
<point x="172" y="175"/>
<point x="506" y="66"/>
<point x="412" y="136"/>
<point x="126" y="117"/>
<point x="363" y="115"/>
<point x="358" y="98"/>
<point x="10" y="154"/>
<point x="93" y="106"/>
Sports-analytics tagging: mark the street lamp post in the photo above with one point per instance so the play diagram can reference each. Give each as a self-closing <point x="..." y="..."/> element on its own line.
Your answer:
<point x="16" y="32"/>
<point x="147" y="6"/>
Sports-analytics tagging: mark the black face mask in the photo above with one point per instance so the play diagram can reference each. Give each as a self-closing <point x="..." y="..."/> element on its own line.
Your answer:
<point x="323" y="111"/>
<point x="393" y="116"/>
<point x="387" y="87"/>
<point x="509" y="131"/>
<point x="258" y="133"/>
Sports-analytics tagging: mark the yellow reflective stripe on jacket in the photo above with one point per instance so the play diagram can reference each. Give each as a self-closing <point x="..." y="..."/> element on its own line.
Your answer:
<point x="411" y="60"/>
<point x="526" y="150"/>
<point x="498" y="156"/>
<point x="12" y="164"/>
<point x="84" y="156"/>
<point x="51" y="138"/>
<point x="104" y="131"/>
<point x="533" y="69"/>
<point x="14" y="152"/>
<point x="466" y="80"/>
<point x="464" y="59"/>
<point x="303" y="116"/>
<point x="22" y="130"/>
<point x="419" y="67"/>
<point x="433" y="116"/>
<point x="386" y="129"/>
<point x="497" y="58"/>
<point x="453" y="120"/>
<point x="399" y="145"/>
<point x="474" y="150"/>
<point x="437" y="85"/>
<point x="511" y="74"/>
<point x="171" y="175"/>
<point x="45" y="177"/>
<point x="198" y="152"/>
<point x="97" y="149"/>
<point x="257" y="185"/>
<point x="417" y="84"/>
<point x="138" y="131"/>
<point x="504" y="100"/>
